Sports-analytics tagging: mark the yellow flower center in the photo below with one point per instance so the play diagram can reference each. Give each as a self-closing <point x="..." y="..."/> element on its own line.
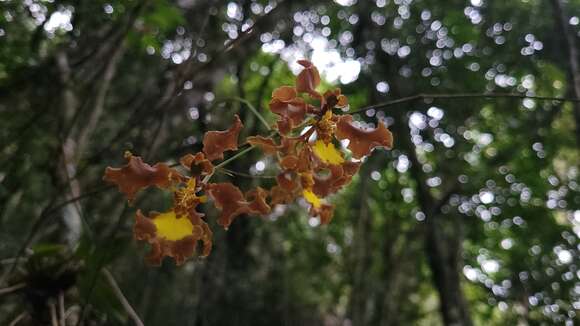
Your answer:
<point x="172" y="228"/>
<point x="187" y="197"/>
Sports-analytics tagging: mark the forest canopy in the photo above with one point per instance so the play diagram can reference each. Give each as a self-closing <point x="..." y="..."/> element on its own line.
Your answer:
<point x="388" y="162"/>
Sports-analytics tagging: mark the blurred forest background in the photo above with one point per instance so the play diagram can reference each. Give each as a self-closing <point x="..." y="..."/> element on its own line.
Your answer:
<point x="472" y="219"/>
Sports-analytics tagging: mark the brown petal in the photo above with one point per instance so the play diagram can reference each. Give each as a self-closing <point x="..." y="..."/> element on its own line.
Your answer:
<point x="257" y="201"/>
<point x="267" y="145"/>
<point x="288" y="145"/>
<point x="206" y="239"/>
<point x="338" y="177"/>
<point x="197" y="164"/>
<point x="325" y="185"/>
<point x="334" y="99"/>
<point x="289" y="162"/>
<point x="325" y="213"/>
<point x="287" y="181"/>
<point x="215" y="143"/>
<point x="308" y="79"/>
<point x="229" y="199"/>
<point x="305" y="158"/>
<point x="281" y="196"/>
<point x="350" y="168"/>
<point x="137" y="175"/>
<point x="143" y="229"/>
<point x="294" y="110"/>
<point x="318" y="208"/>
<point x="362" y="142"/>
<point x="284" y="126"/>
<point x="342" y="101"/>
<point x="284" y="93"/>
<point x="179" y="250"/>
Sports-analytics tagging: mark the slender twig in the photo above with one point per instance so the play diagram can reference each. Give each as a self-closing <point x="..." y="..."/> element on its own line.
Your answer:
<point x="71" y="310"/>
<point x="252" y="31"/>
<point x="8" y="261"/>
<point x="18" y="319"/>
<point x="119" y="293"/>
<point x="79" y="197"/>
<point x="61" y="310"/>
<point x="462" y="96"/>
<point x="98" y="109"/>
<point x="52" y="308"/>
<point x="22" y="129"/>
<point x="12" y="288"/>
<point x="100" y="263"/>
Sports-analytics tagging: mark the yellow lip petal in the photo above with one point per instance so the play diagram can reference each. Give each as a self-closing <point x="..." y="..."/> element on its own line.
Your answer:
<point x="172" y="228"/>
<point x="327" y="153"/>
<point x="311" y="198"/>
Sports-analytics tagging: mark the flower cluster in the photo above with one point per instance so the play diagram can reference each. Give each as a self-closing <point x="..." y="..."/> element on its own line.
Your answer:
<point x="305" y="146"/>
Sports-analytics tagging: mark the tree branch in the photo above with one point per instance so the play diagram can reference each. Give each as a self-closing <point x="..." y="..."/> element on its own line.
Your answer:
<point x="12" y="288"/>
<point x="53" y="318"/>
<point x="99" y="106"/>
<point x="18" y="319"/>
<point x="61" y="310"/>
<point x="44" y="215"/>
<point x="119" y="294"/>
<point x="189" y="71"/>
<point x="458" y="96"/>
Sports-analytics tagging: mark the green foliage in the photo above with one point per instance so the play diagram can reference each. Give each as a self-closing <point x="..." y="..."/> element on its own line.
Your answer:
<point x="509" y="178"/>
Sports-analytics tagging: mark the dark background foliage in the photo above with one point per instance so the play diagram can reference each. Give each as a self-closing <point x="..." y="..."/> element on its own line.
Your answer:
<point x="472" y="219"/>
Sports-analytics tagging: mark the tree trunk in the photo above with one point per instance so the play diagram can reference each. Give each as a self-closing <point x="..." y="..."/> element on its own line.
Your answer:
<point x="443" y="250"/>
<point x="561" y="22"/>
<point x="444" y="258"/>
<point x="359" y="297"/>
<point x="442" y="239"/>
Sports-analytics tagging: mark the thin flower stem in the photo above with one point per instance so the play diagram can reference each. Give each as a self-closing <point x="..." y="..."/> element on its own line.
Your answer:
<point x="233" y="158"/>
<point x="124" y="302"/>
<point x="462" y="96"/>
<point x="247" y="175"/>
<point x="254" y="111"/>
<point x="243" y="152"/>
